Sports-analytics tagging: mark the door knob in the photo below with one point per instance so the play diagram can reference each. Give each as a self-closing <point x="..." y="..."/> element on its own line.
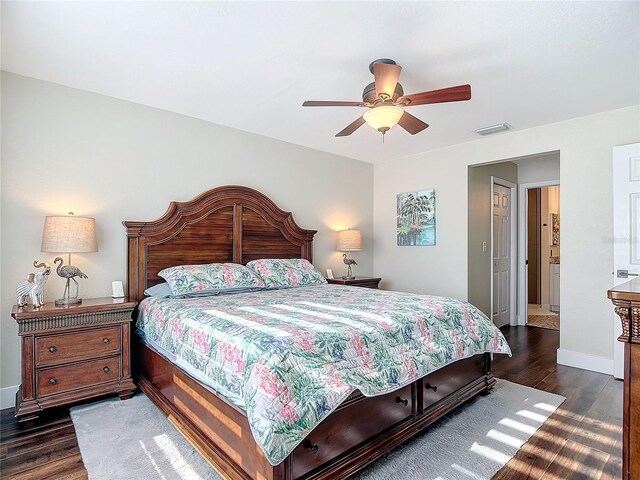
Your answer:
<point x="625" y="274"/>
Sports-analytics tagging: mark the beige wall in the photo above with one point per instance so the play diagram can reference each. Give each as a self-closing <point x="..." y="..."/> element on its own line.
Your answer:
<point x="586" y="249"/>
<point x="479" y="228"/>
<point x="69" y="150"/>
<point x="539" y="168"/>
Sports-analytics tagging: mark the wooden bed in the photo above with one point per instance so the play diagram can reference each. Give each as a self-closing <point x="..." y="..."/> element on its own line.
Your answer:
<point x="238" y="224"/>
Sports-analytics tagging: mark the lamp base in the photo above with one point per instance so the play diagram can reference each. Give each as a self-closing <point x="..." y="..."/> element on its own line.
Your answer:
<point x="65" y="302"/>
<point x="344" y="277"/>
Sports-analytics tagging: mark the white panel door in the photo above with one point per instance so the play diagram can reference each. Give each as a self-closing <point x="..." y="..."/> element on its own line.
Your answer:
<point x="626" y="231"/>
<point x="501" y="255"/>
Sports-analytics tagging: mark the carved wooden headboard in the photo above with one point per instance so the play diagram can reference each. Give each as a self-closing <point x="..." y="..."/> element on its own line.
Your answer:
<point x="226" y="224"/>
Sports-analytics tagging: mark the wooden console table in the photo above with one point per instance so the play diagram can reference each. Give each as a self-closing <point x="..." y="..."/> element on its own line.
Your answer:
<point x="626" y="299"/>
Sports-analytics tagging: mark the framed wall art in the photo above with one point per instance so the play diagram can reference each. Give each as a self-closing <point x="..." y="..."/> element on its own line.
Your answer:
<point x="416" y="214"/>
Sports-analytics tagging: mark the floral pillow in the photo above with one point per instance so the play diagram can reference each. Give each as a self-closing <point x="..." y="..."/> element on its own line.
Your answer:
<point x="284" y="273"/>
<point x="212" y="278"/>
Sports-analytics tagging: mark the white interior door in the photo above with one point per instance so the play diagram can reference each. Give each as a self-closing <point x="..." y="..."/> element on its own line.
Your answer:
<point x="501" y="255"/>
<point x="626" y="231"/>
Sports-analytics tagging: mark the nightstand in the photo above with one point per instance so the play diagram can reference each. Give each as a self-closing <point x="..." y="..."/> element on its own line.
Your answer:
<point x="73" y="353"/>
<point x="367" y="282"/>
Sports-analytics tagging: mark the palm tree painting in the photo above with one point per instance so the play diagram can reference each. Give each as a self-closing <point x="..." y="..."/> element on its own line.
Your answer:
<point x="417" y="218"/>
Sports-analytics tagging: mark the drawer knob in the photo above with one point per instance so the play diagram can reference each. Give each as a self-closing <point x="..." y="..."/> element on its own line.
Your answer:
<point x="313" y="447"/>
<point x="53" y="349"/>
<point x="106" y="369"/>
<point x="431" y="387"/>
<point x="105" y="340"/>
<point x="53" y="381"/>
<point x="403" y="401"/>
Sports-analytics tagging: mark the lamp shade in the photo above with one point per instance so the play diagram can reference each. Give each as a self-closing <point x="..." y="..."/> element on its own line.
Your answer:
<point x="384" y="117"/>
<point x="69" y="234"/>
<point x="349" y="240"/>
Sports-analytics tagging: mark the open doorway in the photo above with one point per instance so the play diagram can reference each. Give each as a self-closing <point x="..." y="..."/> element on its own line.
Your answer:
<point x="543" y="256"/>
<point x="497" y="252"/>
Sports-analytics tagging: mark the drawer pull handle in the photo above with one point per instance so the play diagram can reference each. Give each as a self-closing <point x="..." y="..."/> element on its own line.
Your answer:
<point x="431" y="387"/>
<point x="53" y="381"/>
<point x="404" y="401"/>
<point x="53" y="349"/>
<point x="105" y="340"/>
<point x="106" y="369"/>
<point x="313" y="447"/>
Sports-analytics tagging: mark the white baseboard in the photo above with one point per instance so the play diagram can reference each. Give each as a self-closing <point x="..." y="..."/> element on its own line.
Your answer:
<point x="585" y="361"/>
<point x="8" y="396"/>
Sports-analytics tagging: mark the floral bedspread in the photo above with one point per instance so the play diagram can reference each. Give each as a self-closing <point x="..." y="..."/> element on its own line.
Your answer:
<point x="294" y="355"/>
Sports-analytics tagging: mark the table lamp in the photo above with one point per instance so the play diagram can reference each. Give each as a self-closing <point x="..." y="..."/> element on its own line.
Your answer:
<point x="69" y="234"/>
<point x="349" y="241"/>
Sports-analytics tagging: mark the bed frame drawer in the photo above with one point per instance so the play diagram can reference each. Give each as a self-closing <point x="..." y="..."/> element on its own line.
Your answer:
<point x="350" y="425"/>
<point x="445" y="381"/>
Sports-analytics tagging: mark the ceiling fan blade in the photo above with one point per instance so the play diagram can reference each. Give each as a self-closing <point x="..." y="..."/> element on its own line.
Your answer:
<point x="311" y="103"/>
<point x="451" y="94"/>
<point x="352" y="127"/>
<point x="386" y="78"/>
<point x="411" y="124"/>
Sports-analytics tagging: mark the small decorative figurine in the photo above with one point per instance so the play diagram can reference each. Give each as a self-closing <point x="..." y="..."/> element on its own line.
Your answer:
<point x="348" y="261"/>
<point x="33" y="286"/>
<point x="68" y="272"/>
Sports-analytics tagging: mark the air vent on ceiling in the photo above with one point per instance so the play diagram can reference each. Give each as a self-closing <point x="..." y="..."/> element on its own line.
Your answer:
<point x="500" y="127"/>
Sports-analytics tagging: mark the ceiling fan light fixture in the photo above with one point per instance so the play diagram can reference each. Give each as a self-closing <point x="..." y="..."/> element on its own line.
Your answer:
<point x="383" y="118"/>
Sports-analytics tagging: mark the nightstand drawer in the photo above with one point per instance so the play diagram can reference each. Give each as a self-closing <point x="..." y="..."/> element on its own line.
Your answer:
<point x="71" y="377"/>
<point x="63" y="348"/>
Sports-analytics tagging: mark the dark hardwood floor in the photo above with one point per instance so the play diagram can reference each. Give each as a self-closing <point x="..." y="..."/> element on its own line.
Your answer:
<point x="582" y="440"/>
<point x="42" y="449"/>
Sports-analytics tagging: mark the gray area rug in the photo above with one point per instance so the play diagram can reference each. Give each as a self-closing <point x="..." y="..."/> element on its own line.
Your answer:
<point x="132" y="439"/>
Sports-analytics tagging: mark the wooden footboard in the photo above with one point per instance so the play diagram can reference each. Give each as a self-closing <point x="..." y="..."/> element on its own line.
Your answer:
<point x="358" y="433"/>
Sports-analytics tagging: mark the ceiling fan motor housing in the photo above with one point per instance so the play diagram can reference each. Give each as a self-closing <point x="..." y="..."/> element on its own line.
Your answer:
<point x="369" y="93"/>
<point x="388" y="61"/>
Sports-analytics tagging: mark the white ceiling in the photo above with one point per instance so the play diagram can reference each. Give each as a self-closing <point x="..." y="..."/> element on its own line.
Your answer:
<point x="251" y="65"/>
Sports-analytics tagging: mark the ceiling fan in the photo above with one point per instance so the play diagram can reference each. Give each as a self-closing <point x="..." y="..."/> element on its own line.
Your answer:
<point x="386" y="101"/>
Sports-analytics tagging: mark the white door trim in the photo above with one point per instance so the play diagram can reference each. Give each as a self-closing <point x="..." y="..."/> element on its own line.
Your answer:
<point x="522" y="245"/>
<point x="624" y="225"/>
<point x="513" y="319"/>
